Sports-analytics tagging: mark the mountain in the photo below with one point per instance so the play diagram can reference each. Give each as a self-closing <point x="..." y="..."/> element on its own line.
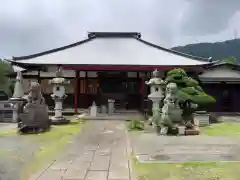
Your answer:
<point x="217" y="51"/>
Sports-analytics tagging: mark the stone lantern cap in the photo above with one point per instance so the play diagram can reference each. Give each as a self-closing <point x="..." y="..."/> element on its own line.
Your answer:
<point x="155" y="96"/>
<point x="155" y="80"/>
<point x="59" y="79"/>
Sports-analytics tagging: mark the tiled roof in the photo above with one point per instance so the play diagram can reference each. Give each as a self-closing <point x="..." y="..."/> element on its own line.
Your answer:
<point x="111" y="48"/>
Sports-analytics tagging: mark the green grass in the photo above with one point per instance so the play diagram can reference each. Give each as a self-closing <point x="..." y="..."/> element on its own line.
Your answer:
<point x="52" y="144"/>
<point x="8" y="132"/>
<point x="187" y="171"/>
<point x="222" y="129"/>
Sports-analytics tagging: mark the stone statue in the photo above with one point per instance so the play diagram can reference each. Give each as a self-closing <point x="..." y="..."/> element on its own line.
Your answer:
<point x="171" y="112"/>
<point x="34" y="118"/>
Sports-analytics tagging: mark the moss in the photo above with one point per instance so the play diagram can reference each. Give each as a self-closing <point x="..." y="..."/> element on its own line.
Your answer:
<point x="136" y="125"/>
<point x="187" y="171"/>
<point x="51" y="144"/>
<point x="8" y="132"/>
<point x="222" y="129"/>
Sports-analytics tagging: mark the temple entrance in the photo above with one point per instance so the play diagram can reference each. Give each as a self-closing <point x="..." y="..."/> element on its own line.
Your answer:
<point x="121" y="88"/>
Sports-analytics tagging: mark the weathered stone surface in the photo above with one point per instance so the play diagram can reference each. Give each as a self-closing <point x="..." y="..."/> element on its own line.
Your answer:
<point x="152" y="148"/>
<point x="75" y="173"/>
<point x="96" y="154"/>
<point x="35" y="113"/>
<point x="100" y="163"/>
<point x="52" y="174"/>
<point x="99" y="175"/>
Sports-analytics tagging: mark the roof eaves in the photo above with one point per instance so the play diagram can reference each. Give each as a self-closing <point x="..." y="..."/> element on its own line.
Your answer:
<point x="176" y="52"/>
<point x="52" y="50"/>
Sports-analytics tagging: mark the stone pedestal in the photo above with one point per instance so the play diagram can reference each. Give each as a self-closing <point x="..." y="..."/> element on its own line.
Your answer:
<point x="93" y="110"/>
<point x="58" y="117"/>
<point x="181" y="130"/>
<point x="17" y="108"/>
<point x="111" y="106"/>
<point x="201" y="119"/>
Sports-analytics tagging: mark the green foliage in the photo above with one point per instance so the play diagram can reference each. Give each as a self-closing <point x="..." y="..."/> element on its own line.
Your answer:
<point x="189" y="88"/>
<point x="5" y="82"/>
<point x="231" y="60"/>
<point x="217" y="51"/>
<point x="136" y="124"/>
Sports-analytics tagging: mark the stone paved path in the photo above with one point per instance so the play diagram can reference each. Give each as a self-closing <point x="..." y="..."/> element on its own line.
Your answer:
<point x="100" y="152"/>
<point x="151" y="148"/>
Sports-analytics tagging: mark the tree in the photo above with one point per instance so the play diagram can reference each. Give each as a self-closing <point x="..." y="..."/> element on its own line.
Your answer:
<point x="5" y="69"/>
<point x="189" y="92"/>
<point x="231" y="60"/>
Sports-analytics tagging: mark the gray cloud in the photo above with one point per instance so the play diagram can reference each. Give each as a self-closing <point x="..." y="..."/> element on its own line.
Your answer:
<point x="204" y="17"/>
<point x="28" y="26"/>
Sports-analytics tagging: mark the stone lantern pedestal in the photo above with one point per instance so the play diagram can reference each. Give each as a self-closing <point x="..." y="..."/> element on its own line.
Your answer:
<point x="58" y="96"/>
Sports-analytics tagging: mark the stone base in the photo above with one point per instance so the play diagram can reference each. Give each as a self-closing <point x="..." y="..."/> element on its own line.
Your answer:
<point x="59" y="120"/>
<point x="191" y="132"/>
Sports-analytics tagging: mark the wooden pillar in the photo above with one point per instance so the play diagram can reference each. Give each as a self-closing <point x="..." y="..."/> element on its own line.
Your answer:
<point x="86" y="90"/>
<point x="142" y="92"/>
<point x="39" y="77"/>
<point x="76" y="91"/>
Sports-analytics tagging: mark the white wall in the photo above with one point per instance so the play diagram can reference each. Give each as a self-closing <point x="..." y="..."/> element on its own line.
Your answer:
<point x="51" y="72"/>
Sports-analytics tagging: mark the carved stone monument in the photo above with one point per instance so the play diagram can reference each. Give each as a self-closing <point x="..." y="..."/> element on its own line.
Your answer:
<point x="34" y="118"/>
<point x="58" y="96"/>
<point x="17" y="99"/>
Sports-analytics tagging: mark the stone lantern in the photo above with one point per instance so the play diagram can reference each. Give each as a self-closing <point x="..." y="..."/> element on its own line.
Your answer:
<point x="156" y="93"/>
<point x="17" y="99"/>
<point x="58" y="96"/>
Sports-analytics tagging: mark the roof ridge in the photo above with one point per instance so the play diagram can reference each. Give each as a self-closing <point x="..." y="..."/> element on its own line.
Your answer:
<point x="19" y="58"/>
<point x="174" y="52"/>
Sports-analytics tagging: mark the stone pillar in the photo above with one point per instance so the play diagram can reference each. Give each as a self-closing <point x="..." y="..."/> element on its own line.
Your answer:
<point x="111" y="106"/>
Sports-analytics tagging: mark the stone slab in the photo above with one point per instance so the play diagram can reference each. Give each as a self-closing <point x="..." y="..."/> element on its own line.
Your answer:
<point x="52" y="174"/>
<point x="118" y="173"/>
<point x="75" y="173"/>
<point x="148" y="148"/>
<point x="97" y="175"/>
<point x="100" y="163"/>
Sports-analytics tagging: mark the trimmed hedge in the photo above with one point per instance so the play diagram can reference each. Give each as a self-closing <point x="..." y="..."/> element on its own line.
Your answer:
<point x="189" y="88"/>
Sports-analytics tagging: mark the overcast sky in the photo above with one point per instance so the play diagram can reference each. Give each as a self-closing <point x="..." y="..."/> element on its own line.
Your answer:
<point x="29" y="26"/>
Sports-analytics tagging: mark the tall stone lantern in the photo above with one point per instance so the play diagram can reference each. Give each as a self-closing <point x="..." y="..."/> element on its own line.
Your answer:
<point x="58" y="96"/>
<point x="17" y="99"/>
<point x="156" y="95"/>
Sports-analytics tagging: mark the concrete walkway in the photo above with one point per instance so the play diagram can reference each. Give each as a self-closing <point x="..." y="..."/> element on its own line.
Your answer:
<point x="100" y="152"/>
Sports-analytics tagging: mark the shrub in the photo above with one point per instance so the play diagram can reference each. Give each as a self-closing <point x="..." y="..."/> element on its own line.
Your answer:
<point x="136" y="124"/>
<point x="189" y="89"/>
